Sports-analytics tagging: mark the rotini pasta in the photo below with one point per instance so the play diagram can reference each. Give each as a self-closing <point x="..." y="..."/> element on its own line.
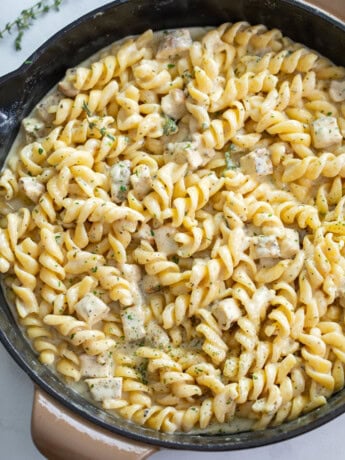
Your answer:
<point x="173" y="228"/>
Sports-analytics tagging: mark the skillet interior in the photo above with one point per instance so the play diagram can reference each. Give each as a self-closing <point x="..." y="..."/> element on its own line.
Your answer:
<point x="22" y="89"/>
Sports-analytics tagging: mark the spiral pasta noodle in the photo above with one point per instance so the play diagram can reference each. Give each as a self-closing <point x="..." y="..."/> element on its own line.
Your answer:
<point x="172" y="229"/>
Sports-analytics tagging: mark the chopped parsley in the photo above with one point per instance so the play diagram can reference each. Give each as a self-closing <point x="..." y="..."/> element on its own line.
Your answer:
<point x="86" y="109"/>
<point x="142" y="371"/>
<point x="229" y="161"/>
<point x="175" y="259"/>
<point x="169" y="126"/>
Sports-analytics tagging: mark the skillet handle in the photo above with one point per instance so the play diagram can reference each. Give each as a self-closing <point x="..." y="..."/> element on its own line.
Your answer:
<point x="61" y="435"/>
<point x="333" y="7"/>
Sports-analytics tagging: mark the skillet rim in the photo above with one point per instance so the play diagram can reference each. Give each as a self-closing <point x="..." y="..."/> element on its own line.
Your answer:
<point x="269" y="435"/>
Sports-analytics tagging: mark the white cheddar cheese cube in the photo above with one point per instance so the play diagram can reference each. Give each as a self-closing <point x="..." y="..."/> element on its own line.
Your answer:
<point x="91" y="309"/>
<point x="265" y="246"/>
<point x="105" y="388"/>
<point x="93" y="366"/>
<point x="289" y="246"/>
<point x="257" y="162"/>
<point x="325" y="132"/>
<point x="133" y="323"/>
<point x="226" y="312"/>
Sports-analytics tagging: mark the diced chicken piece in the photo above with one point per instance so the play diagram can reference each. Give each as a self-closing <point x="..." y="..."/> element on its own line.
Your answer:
<point x="66" y="86"/>
<point x="145" y="232"/>
<point x="93" y="366"/>
<point x="173" y="104"/>
<point x="325" y="132"/>
<point x="33" y="127"/>
<point x="105" y="388"/>
<point x="133" y="323"/>
<point x="289" y="246"/>
<point x="257" y="162"/>
<point x="91" y="309"/>
<point x="42" y="109"/>
<point x="164" y="238"/>
<point x="141" y="181"/>
<point x="337" y="90"/>
<point x="156" y="335"/>
<point x="174" y="43"/>
<point x="226" y="312"/>
<point x="120" y="174"/>
<point x="151" y="284"/>
<point x="181" y="135"/>
<point x="265" y="246"/>
<point x="180" y="152"/>
<point x="31" y="187"/>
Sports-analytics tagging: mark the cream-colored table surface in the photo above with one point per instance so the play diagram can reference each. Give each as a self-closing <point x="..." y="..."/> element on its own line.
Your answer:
<point x="16" y="389"/>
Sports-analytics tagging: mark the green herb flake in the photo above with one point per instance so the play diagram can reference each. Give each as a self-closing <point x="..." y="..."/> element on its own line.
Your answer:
<point x="86" y="109"/>
<point x="175" y="259"/>
<point x="169" y="126"/>
<point x="229" y="161"/>
<point x="25" y="20"/>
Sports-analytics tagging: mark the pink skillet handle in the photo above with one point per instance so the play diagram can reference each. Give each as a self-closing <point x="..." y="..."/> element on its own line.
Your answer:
<point x="59" y="434"/>
<point x="334" y="7"/>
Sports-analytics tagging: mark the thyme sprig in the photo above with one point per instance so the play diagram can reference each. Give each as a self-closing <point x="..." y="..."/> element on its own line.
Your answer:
<point x="26" y="18"/>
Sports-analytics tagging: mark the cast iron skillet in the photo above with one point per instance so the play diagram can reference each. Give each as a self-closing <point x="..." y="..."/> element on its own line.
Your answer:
<point x="23" y="88"/>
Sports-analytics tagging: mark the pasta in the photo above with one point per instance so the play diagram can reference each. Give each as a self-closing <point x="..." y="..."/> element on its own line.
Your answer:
<point x="172" y="228"/>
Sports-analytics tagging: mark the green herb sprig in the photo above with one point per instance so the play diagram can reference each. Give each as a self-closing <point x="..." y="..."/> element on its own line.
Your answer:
<point x="26" y="18"/>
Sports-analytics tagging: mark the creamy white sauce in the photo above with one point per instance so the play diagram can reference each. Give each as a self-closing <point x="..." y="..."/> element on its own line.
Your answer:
<point x="236" y="424"/>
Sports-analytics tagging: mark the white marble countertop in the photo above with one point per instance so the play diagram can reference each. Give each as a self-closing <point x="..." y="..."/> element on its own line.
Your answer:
<point x="16" y="389"/>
